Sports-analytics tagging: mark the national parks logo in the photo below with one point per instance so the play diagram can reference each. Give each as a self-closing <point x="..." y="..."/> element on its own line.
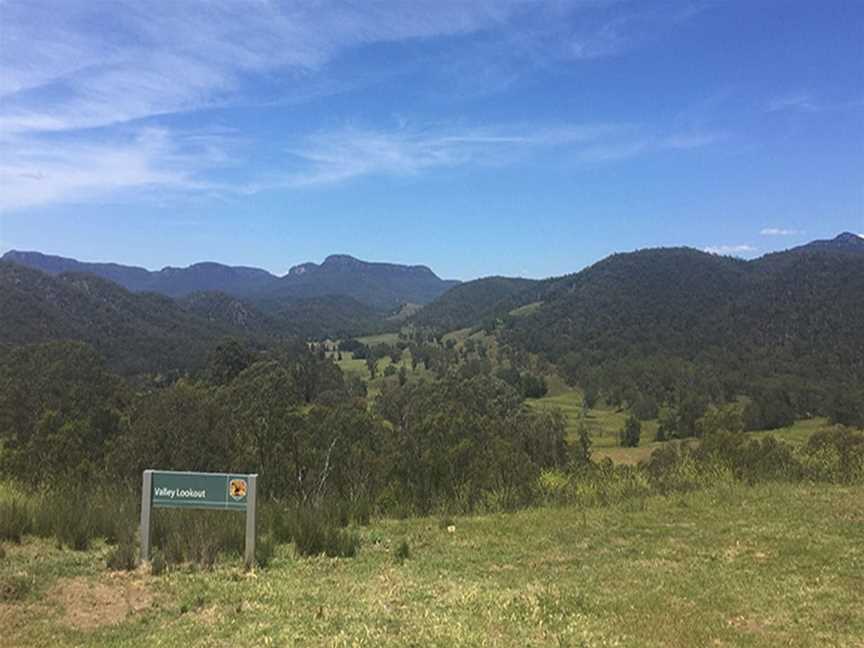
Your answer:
<point x="237" y="488"/>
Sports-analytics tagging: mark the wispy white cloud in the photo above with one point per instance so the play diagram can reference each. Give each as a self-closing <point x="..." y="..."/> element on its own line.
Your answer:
<point x="74" y="64"/>
<point x="37" y="173"/>
<point x="82" y="88"/>
<point x="341" y="155"/>
<point x="806" y="103"/>
<point x="44" y="170"/>
<point x="731" y="250"/>
<point x="779" y="231"/>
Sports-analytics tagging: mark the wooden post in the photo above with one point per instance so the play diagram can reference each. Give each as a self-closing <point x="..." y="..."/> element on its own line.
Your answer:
<point x="146" y="501"/>
<point x="251" y="504"/>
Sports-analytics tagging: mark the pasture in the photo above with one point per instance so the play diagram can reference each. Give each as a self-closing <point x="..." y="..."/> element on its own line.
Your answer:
<point x="729" y="566"/>
<point x="606" y="422"/>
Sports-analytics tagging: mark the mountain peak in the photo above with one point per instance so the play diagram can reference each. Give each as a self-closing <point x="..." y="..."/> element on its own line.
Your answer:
<point x="849" y="238"/>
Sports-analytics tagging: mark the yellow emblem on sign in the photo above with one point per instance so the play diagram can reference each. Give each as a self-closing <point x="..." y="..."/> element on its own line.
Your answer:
<point x="237" y="488"/>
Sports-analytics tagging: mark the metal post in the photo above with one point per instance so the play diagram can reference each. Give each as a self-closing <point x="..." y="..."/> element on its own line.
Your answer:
<point x="250" y="520"/>
<point x="146" y="500"/>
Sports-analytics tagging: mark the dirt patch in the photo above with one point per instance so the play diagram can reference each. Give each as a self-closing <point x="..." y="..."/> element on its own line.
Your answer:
<point x="89" y="604"/>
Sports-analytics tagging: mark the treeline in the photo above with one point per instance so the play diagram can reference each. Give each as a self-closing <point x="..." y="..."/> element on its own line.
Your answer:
<point x="286" y="413"/>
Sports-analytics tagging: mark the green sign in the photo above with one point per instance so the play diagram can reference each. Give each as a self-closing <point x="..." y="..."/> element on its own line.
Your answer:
<point x="214" y="491"/>
<point x="199" y="490"/>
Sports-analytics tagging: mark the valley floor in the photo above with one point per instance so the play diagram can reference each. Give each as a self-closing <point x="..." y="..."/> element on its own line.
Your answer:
<point x="770" y="565"/>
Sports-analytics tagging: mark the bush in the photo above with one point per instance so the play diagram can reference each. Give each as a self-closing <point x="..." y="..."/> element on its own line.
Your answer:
<point x="403" y="552"/>
<point x="122" y="557"/>
<point x="631" y="432"/>
<point x="16" y="520"/>
<point x="157" y="563"/>
<point x="265" y="549"/>
<point x="314" y="535"/>
<point x="197" y="536"/>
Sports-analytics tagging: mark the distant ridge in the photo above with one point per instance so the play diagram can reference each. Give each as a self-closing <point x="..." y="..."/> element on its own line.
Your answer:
<point x="383" y="286"/>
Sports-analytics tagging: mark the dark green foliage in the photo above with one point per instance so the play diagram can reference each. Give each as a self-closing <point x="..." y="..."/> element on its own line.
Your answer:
<point x="325" y="316"/>
<point x="227" y="360"/>
<point x="403" y="552"/>
<point x="136" y="333"/>
<point x="16" y="519"/>
<point x="583" y="447"/>
<point x="631" y="432"/>
<point x="314" y="534"/>
<point x="529" y="385"/>
<point x="846" y="406"/>
<point x="487" y="441"/>
<point x="645" y="407"/>
<point x="59" y="410"/>
<point x="475" y="302"/>
<point x="671" y="321"/>
<point x="768" y="410"/>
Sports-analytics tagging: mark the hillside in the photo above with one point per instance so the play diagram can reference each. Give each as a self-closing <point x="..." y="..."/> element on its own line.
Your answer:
<point x="135" y="332"/>
<point x="383" y="286"/>
<point x="327" y="316"/>
<point x="475" y="302"/>
<point x="794" y="313"/>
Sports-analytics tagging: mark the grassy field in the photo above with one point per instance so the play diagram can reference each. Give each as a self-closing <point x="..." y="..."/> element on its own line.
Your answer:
<point x="607" y="422"/>
<point x="737" y="566"/>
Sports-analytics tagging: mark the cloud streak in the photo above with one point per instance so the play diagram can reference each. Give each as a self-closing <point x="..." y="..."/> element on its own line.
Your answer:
<point x="731" y="250"/>
<point x="779" y="231"/>
<point x="42" y="171"/>
<point x="339" y="156"/>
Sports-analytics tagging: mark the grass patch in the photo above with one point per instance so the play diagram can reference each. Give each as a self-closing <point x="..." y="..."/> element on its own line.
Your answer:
<point x="732" y="565"/>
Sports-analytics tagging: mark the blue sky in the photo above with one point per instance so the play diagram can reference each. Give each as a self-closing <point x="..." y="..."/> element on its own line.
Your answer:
<point x="510" y="137"/>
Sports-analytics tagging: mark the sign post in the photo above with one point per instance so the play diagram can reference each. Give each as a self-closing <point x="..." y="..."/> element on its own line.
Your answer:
<point x="220" y="491"/>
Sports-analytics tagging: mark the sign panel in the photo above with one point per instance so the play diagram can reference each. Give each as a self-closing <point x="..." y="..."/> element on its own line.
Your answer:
<point x="214" y="491"/>
<point x="199" y="490"/>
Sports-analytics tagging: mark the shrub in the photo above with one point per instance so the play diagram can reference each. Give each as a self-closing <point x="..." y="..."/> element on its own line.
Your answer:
<point x="403" y="552"/>
<point x="631" y="432"/>
<point x="157" y="563"/>
<point x="265" y="549"/>
<point x="15" y="519"/>
<point x="122" y="557"/>
<point x="315" y="535"/>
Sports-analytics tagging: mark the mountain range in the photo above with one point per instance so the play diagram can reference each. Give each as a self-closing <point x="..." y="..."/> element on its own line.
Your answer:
<point x="795" y="312"/>
<point x="381" y="286"/>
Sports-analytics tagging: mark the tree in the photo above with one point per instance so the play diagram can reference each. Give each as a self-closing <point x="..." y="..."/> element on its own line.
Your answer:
<point x="583" y="449"/>
<point x="667" y="423"/>
<point x="372" y="366"/>
<point x="725" y="418"/>
<point x="631" y="432"/>
<point x="227" y="360"/>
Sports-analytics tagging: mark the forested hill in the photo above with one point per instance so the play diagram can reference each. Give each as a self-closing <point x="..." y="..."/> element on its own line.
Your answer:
<point x="136" y="333"/>
<point x="477" y="302"/>
<point x="383" y="286"/>
<point x="795" y="313"/>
